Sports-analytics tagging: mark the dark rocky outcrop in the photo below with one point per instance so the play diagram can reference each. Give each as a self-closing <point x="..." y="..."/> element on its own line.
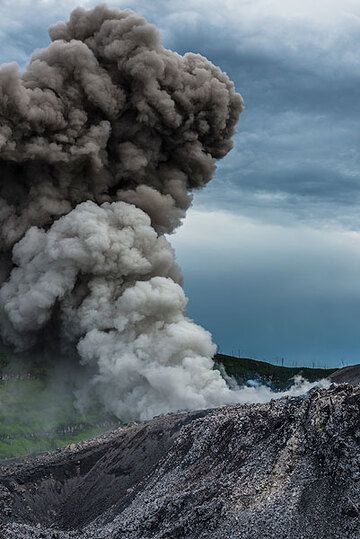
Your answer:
<point x="286" y="469"/>
<point x="347" y="375"/>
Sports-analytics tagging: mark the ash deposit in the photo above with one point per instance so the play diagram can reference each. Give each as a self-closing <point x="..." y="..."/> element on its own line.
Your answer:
<point x="288" y="468"/>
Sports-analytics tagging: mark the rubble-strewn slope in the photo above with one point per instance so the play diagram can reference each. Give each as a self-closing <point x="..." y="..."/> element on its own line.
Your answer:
<point x="347" y="375"/>
<point x="289" y="468"/>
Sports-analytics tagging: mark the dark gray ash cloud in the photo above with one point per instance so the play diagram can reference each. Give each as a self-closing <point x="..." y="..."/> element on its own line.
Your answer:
<point x="106" y="113"/>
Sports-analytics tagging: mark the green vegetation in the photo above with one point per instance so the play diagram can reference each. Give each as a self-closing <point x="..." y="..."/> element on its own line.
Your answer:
<point x="244" y="369"/>
<point x="38" y="411"/>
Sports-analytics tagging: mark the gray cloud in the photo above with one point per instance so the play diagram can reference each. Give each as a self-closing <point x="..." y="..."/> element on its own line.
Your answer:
<point x="105" y="113"/>
<point x="298" y="140"/>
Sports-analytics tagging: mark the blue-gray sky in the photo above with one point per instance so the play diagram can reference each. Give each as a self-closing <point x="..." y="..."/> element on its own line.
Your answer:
<point x="271" y="249"/>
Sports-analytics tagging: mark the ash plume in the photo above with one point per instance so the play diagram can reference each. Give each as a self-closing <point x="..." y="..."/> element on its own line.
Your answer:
<point x="105" y="113"/>
<point x="102" y="140"/>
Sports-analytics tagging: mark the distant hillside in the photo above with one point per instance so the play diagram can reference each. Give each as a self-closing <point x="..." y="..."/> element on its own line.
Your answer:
<point x="244" y="369"/>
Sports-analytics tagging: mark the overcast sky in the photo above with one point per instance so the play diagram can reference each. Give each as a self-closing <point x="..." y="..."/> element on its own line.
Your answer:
<point x="271" y="249"/>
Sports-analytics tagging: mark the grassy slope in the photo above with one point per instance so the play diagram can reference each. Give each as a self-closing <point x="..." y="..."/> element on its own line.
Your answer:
<point x="34" y="417"/>
<point x="37" y="413"/>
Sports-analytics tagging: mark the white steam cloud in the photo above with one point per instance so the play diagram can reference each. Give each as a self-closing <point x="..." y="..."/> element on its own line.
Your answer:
<point x="127" y="319"/>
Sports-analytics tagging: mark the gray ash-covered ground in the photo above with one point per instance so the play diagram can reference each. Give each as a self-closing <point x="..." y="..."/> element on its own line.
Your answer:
<point x="347" y="375"/>
<point x="289" y="468"/>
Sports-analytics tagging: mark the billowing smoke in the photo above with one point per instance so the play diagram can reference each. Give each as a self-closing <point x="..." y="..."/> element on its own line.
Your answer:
<point x="102" y="140"/>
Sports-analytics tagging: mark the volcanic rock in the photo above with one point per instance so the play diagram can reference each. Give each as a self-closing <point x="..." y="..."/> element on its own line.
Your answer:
<point x="288" y="468"/>
<point x="347" y="375"/>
